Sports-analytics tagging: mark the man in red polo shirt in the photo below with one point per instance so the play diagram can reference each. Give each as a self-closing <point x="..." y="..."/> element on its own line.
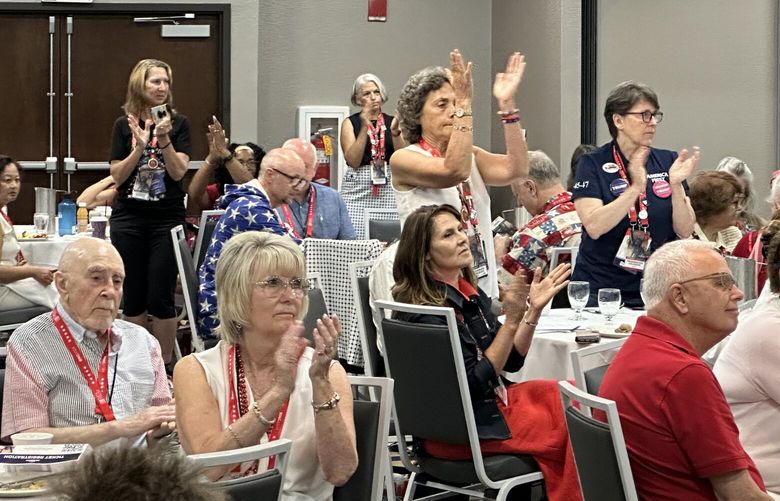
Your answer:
<point x="681" y="437"/>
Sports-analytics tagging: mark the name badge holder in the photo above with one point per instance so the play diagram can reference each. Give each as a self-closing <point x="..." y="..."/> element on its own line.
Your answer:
<point x="634" y="249"/>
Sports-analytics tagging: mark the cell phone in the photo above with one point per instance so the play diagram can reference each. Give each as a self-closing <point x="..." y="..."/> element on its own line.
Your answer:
<point x="587" y="338"/>
<point x="501" y="226"/>
<point x="159" y="113"/>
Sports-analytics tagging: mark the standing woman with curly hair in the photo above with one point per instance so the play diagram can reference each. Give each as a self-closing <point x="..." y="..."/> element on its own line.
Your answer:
<point x="368" y="140"/>
<point x="148" y="162"/>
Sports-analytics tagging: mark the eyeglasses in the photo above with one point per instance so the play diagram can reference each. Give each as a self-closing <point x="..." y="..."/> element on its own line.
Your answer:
<point x="647" y="115"/>
<point x="295" y="181"/>
<point x="247" y="163"/>
<point x="722" y="280"/>
<point x="274" y="286"/>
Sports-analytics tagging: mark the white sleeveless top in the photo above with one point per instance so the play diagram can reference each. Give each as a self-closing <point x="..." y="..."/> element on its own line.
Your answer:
<point x="27" y="288"/>
<point x="410" y="200"/>
<point x="304" y="480"/>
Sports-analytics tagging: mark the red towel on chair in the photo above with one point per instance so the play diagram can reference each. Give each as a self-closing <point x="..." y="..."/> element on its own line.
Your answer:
<point x="535" y="417"/>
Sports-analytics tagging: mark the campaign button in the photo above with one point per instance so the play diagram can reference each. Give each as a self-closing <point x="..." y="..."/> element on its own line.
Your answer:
<point x="662" y="189"/>
<point x="642" y="214"/>
<point x="618" y="186"/>
<point x="610" y="168"/>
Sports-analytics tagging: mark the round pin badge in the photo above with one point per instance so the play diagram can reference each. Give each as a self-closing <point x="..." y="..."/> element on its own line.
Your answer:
<point x="153" y="163"/>
<point x="610" y="168"/>
<point x="618" y="186"/>
<point x="642" y="214"/>
<point x="662" y="189"/>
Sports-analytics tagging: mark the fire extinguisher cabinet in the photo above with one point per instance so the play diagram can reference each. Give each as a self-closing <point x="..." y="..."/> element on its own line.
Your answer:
<point x="322" y="126"/>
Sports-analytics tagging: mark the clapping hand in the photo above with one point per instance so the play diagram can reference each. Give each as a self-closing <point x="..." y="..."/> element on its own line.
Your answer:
<point x="543" y="290"/>
<point x="141" y="135"/>
<point x="637" y="172"/>
<point x="217" y="140"/>
<point x="515" y="297"/>
<point x="288" y="353"/>
<point x="684" y="165"/>
<point x="325" y="342"/>
<point x="506" y="83"/>
<point x="460" y="75"/>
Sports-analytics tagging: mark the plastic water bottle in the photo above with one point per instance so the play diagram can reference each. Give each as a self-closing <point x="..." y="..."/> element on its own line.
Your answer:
<point x="67" y="214"/>
<point x="82" y="217"/>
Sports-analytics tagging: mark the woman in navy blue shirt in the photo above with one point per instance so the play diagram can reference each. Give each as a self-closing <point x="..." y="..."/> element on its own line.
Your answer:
<point x="631" y="198"/>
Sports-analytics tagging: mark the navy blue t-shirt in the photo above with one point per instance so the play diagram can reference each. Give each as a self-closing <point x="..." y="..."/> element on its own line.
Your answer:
<point x="595" y="261"/>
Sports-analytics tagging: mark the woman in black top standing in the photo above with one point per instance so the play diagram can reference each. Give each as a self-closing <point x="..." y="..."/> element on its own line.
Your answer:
<point x="368" y="140"/>
<point x="149" y="158"/>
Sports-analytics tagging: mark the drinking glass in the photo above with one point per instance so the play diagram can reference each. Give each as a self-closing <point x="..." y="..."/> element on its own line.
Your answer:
<point x="609" y="302"/>
<point x="579" y="292"/>
<point x="41" y="222"/>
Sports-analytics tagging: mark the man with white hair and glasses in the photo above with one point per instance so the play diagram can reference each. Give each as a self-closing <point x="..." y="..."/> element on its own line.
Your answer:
<point x="680" y="434"/>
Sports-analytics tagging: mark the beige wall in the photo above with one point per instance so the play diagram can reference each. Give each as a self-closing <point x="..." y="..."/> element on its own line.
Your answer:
<point x="713" y="64"/>
<point x="301" y="64"/>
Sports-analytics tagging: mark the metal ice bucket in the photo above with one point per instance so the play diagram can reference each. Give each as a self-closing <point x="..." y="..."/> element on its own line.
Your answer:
<point x="744" y="272"/>
<point x="46" y="202"/>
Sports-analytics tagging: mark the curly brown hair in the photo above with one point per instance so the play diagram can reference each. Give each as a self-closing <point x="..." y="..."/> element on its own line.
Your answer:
<point x="412" y="99"/>
<point x="712" y="192"/>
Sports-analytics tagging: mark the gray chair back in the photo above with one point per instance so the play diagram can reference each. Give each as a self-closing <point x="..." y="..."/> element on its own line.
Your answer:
<point x="599" y="449"/>
<point x="263" y="485"/>
<point x="317" y="306"/>
<point x="11" y="319"/>
<point x="372" y="419"/>
<point x="189" y="281"/>
<point x="384" y="231"/>
<point x="208" y="221"/>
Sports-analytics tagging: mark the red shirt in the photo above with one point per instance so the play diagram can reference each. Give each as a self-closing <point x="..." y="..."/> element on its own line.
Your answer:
<point x="677" y="424"/>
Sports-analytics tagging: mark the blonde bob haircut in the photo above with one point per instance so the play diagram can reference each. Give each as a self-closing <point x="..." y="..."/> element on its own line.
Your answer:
<point x="135" y="102"/>
<point x="244" y="259"/>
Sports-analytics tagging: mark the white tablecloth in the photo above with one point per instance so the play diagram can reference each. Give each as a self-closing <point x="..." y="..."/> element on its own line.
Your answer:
<point x="549" y="356"/>
<point x="44" y="252"/>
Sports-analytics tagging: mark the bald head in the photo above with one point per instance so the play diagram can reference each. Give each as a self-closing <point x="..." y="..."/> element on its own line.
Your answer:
<point x="306" y="151"/>
<point x="85" y="250"/>
<point x="89" y="280"/>
<point x="281" y="174"/>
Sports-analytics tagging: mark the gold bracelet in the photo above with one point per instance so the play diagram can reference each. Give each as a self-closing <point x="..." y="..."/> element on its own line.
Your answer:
<point x="328" y="404"/>
<point x="463" y="128"/>
<point x="259" y="414"/>
<point x="532" y="324"/>
<point x="235" y="436"/>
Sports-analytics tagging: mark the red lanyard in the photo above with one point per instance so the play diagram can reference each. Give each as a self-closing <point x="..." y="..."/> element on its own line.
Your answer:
<point x="468" y="213"/>
<point x="98" y="386"/>
<point x="19" y="255"/>
<point x="376" y="135"/>
<point x="235" y="410"/>
<point x="644" y="222"/>
<point x="309" y="216"/>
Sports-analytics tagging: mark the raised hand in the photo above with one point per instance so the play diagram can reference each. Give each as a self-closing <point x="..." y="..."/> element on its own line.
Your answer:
<point x="543" y="290"/>
<point x="515" y="299"/>
<point x="217" y="140"/>
<point x="637" y="173"/>
<point x="141" y="135"/>
<point x="506" y="84"/>
<point x="288" y="353"/>
<point x="163" y="128"/>
<point x="460" y="75"/>
<point x="684" y="165"/>
<point x="325" y="343"/>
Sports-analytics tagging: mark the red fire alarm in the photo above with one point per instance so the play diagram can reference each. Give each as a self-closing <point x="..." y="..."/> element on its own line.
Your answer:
<point x="377" y="10"/>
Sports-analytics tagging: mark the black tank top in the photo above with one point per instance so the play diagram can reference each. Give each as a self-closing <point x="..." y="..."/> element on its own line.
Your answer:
<point x="389" y="148"/>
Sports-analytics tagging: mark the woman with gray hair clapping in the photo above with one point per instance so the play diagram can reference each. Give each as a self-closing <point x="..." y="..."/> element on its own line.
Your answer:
<point x="368" y="140"/>
<point x="442" y="165"/>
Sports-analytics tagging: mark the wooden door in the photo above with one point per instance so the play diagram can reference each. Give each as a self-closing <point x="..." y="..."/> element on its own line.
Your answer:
<point x="104" y="46"/>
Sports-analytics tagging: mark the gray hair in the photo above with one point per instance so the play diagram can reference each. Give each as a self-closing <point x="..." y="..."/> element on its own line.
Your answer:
<point x="671" y="263"/>
<point x="623" y="97"/>
<point x="364" y="79"/>
<point x="774" y="193"/>
<point x="242" y="258"/>
<point x="741" y="171"/>
<point x="412" y="99"/>
<point x="541" y="169"/>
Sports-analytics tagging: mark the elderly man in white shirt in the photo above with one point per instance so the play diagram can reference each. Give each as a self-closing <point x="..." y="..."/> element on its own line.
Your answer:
<point x="78" y="372"/>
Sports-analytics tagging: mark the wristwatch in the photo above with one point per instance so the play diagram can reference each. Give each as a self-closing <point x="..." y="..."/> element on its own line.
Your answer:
<point x="460" y="113"/>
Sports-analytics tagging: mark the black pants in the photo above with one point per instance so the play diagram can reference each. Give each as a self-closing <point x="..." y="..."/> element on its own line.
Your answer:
<point x="146" y="248"/>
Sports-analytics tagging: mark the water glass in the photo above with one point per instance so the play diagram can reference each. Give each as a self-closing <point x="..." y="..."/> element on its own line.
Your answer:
<point x="579" y="292"/>
<point x="41" y="222"/>
<point x="609" y="302"/>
